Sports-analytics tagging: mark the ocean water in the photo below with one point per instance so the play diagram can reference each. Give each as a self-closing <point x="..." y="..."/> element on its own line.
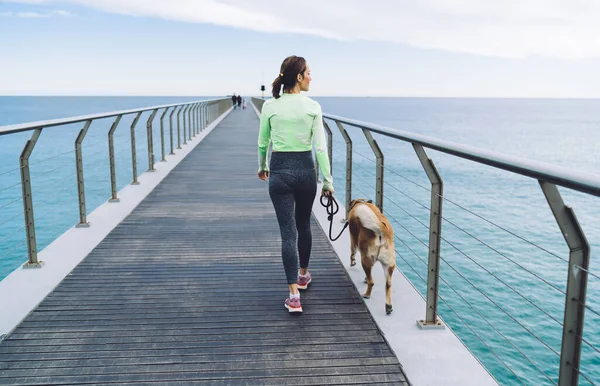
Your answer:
<point x="503" y="269"/>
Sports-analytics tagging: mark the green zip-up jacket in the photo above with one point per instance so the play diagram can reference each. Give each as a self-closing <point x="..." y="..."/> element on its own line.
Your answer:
<point x="292" y="122"/>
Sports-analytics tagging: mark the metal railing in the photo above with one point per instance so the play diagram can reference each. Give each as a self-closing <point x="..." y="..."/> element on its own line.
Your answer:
<point x="191" y="119"/>
<point x="548" y="177"/>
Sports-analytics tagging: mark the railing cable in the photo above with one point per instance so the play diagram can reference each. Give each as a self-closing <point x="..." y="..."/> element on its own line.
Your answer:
<point x="504" y="229"/>
<point x="12" y="202"/>
<point x="467" y="210"/>
<point x="464" y="322"/>
<point x="474" y="237"/>
<point x="14" y="233"/>
<point x="506" y="257"/>
<point x="503" y="310"/>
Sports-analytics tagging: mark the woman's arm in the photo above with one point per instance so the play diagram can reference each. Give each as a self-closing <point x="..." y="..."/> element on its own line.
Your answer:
<point x="321" y="149"/>
<point x="264" y="138"/>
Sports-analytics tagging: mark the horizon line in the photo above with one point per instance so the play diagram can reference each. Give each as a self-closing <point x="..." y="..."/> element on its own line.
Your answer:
<point x="268" y="96"/>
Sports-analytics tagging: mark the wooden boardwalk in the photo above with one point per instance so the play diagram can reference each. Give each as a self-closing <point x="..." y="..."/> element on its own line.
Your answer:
<point x="189" y="289"/>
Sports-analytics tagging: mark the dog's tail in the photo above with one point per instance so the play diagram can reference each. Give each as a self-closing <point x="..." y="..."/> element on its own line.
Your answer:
<point x="369" y="220"/>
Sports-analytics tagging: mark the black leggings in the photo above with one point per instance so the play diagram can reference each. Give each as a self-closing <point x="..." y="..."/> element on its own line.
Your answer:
<point x="293" y="187"/>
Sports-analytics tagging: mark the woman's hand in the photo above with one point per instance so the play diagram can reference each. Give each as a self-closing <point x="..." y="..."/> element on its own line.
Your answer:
<point x="263" y="175"/>
<point x="326" y="192"/>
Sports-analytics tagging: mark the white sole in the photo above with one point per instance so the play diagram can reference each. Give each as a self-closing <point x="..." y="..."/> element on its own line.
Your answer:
<point x="292" y="309"/>
<point x="306" y="286"/>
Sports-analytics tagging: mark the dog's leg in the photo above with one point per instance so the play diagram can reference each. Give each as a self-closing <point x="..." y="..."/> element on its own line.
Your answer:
<point x="388" y="270"/>
<point x="369" y="279"/>
<point x="352" y="251"/>
<point x="353" y="244"/>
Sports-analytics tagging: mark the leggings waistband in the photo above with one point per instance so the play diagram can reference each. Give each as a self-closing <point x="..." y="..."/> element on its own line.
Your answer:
<point x="281" y="160"/>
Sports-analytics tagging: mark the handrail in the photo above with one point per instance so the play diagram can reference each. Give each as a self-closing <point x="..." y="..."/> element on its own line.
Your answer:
<point x="20" y="127"/>
<point x="576" y="180"/>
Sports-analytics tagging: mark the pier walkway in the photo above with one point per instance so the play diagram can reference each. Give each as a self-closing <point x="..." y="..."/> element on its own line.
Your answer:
<point x="189" y="289"/>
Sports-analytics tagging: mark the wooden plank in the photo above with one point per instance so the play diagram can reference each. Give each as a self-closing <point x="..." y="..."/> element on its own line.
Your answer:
<point x="176" y="366"/>
<point x="191" y="379"/>
<point x="148" y="360"/>
<point x="189" y="288"/>
<point x="377" y="372"/>
<point x="238" y="350"/>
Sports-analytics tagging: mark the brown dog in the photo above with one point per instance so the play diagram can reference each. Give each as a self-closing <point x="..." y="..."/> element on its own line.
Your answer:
<point x="372" y="234"/>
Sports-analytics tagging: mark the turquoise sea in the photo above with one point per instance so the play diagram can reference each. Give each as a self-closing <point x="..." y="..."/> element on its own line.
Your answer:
<point x="503" y="257"/>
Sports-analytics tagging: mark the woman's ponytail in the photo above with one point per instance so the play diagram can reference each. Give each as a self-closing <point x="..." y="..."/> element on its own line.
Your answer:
<point x="277" y="83"/>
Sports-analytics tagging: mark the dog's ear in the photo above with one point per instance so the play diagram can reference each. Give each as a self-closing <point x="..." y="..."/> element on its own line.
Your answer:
<point x="370" y="201"/>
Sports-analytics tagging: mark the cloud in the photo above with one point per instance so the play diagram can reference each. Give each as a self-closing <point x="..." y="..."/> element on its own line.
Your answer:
<point x="565" y="29"/>
<point x="35" y="15"/>
<point x="63" y="13"/>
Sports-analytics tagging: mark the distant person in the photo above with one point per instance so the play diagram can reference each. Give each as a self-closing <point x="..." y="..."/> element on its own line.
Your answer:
<point x="293" y="121"/>
<point x="234" y="100"/>
<point x="239" y="100"/>
<point x="244" y="104"/>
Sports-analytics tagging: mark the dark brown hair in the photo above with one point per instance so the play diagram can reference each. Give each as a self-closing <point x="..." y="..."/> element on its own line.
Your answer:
<point x="288" y="74"/>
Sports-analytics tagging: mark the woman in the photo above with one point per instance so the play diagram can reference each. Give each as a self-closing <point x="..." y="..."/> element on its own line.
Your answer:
<point x="292" y="121"/>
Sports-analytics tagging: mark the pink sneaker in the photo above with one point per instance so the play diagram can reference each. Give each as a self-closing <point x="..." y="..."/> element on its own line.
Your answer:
<point x="304" y="281"/>
<point x="293" y="304"/>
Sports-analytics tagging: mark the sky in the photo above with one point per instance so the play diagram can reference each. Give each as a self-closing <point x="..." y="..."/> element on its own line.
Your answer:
<point x="401" y="48"/>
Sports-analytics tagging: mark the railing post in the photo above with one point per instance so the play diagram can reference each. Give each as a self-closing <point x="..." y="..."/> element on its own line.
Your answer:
<point x="348" y="165"/>
<point x="185" y="109"/>
<point x="111" y="160"/>
<point x="80" y="181"/>
<point x="579" y="256"/>
<point x="206" y="115"/>
<point x="133" y="151"/>
<point x="201" y="115"/>
<point x="178" y="128"/>
<point x="193" y="120"/>
<point x="196" y="120"/>
<point x="189" y="111"/>
<point x="32" y="261"/>
<point x="379" y="172"/>
<point x="162" y="135"/>
<point x="435" y="240"/>
<point x="171" y="130"/>
<point x="150" y="137"/>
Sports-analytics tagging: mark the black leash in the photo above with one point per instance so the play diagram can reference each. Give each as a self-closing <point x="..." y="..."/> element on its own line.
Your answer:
<point x="332" y="207"/>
